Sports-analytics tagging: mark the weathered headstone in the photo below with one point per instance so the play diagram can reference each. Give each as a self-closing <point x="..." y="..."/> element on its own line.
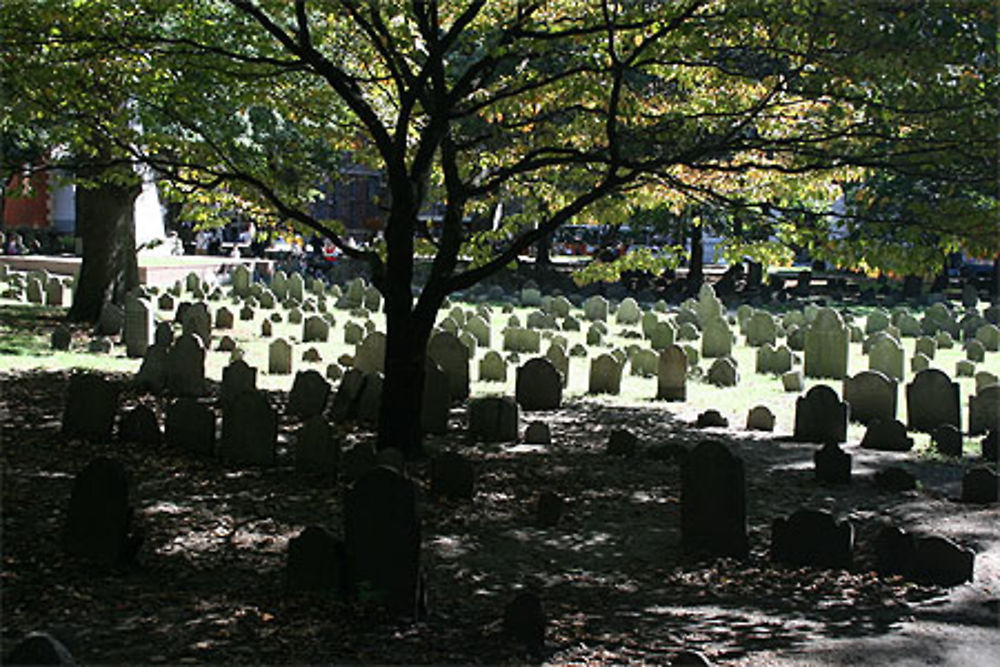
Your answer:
<point x="185" y="370"/>
<point x="887" y="435"/>
<point x="671" y="374"/>
<point x="382" y="533"/>
<point x="984" y="409"/>
<point x="820" y="416"/>
<point x="716" y="338"/>
<point x="249" y="430"/>
<point x="317" y="448"/>
<point x="832" y="464"/>
<point x="315" y="329"/>
<point x="494" y="418"/>
<point x="886" y="356"/>
<point x="931" y="400"/>
<point x="99" y="518"/>
<point x="539" y="385"/>
<point x="605" y="375"/>
<point x="370" y="354"/>
<point x="760" y="418"/>
<point x="138" y="330"/>
<point x="492" y="367"/>
<point x="279" y="357"/>
<point x="453" y="357"/>
<point x="309" y="394"/>
<point x="723" y="373"/>
<point x="316" y="562"/>
<point x="139" y="424"/>
<point x="713" y="502"/>
<point x="871" y="395"/>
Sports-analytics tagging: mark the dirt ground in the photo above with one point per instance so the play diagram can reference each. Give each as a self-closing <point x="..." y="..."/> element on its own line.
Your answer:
<point x="209" y="587"/>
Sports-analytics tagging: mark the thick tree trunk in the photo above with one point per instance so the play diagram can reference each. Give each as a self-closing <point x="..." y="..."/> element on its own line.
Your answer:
<point x="543" y="252"/>
<point x="104" y="219"/>
<point x="696" y="266"/>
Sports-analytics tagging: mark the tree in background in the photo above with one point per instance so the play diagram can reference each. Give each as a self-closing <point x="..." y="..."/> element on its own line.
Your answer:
<point x="577" y="110"/>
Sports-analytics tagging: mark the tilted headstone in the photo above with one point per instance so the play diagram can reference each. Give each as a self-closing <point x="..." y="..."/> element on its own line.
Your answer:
<point x="196" y="320"/>
<point x="931" y="400"/>
<point x="713" y="502"/>
<point x="249" y="430"/>
<point x="871" y="395"/>
<point x="605" y="375"/>
<point x="940" y="561"/>
<point x="90" y="408"/>
<point x="813" y="538"/>
<point x="887" y="435"/>
<point x="185" y="370"/>
<point x="494" y="418"/>
<point x="453" y="357"/>
<point x="370" y="354"/>
<point x="99" y="517"/>
<point x="826" y="346"/>
<point x="539" y="385"/>
<point x="557" y="355"/>
<point x="671" y="374"/>
<point x="984" y="409"/>
<point x="820" y="416"/>
<point x="317" y="449"/>
<point x="382" y="532"/>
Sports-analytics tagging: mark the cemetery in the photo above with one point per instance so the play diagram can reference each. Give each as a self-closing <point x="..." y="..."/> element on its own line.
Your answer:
<point x="593" y="483"/>
<point x="562" y="333"/>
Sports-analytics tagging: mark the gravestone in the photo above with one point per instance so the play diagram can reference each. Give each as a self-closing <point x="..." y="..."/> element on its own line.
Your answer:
<point x="138" y="331"/>
<point x="984" y="409"/>
<point x="237" y="377"/>
<point x="309" y="394"/>
<point x="453" y="357"/>
<point x="812" y="538"/>
<point x="711" y="418"/>
<point x="596" y="308"/>
<point x="492" y="367"/>
<point x="792" y="381"/>
<point x="111" y="320"/>
<point x="925" y="345"/>
<point x="197" y="321"/>
<point x="54" y="293"/>
<point x="989" y="336"/>
<point x="39" y="648"/>
<point x="370" y="400"/>
<point x="99" y="518"/>
<point x="713" y="502"/>
<point x="316" y="563"/>
<point x="163" y="335"/>
<point x="940" y="561"/>
<point x="919" y="362"/>
<point x="249" y="430"/>
<point x="760" y="418"/>
<point x="771" y="359"/>
<point x="224" y="318"/>
<point x="832" y="464"/>
<point x="382" y="532"/>
<point x="436" y="403"/>
<point x="480" y="329"/>
<point x="871" y="395"/>
<point x="370" y="354"/>
<point x="140" y="425"/>
<point x="979" y="485"/>
<point x="345" y="401"/>
<point x="296" y="287"/>
<point x="152" y="374"/>
<point x="826" y="346"/>
<point x="761" y="329"/>
<point x="947" y="440"/>
<point x="716" y="338"/>
<point x="820" y="416"/>
<point x="895" y="479"/>
<point x="317" y="448"/>
<point x="373" y="299"/>
<point x="539" y="385"/>
<point x="556" y="354"/>
<point x="452" y="477"/>
<point x="279" y="357"/>
<point x="886" y="356"/>
<point x="605" y="375"/>
<point x="622" y="442"/>
<point x="722" y="373"/>
<point x="524" y="621"/>
<point x="887" y="435"/>
<point x="975" y="351"/>
<point x="240" y="280"/>
<point x="494" y="418"/>
<point x="315" y="329"/>
<point x="549" y="509"/>
<point x="537" y="433"/>
<point x="671" y="374"/>
<point x="931" y="400"/>
<point x="185" y="370"/>
<point x="628" y="312"/>
<point x="61" y="337"/>
<point x="90" y="408"/>
<point x="190" y="425"/>
<point x="643" y="362"/>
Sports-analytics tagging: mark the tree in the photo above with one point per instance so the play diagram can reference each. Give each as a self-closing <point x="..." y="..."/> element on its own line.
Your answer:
<point x="582" y="106"/>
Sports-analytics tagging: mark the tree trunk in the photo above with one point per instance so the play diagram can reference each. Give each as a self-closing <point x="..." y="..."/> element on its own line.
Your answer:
<point x="104" y="220"/>
<point x="543" y="249"/>
<point x="696" y="266"/>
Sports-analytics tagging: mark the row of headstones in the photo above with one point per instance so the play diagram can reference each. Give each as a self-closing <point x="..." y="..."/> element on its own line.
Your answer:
<point x="713" y="522"/>
<point x="38" y="287"/>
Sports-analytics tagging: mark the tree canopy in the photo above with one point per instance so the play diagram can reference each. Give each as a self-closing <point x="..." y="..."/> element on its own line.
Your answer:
<point x="575" y="109"/>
